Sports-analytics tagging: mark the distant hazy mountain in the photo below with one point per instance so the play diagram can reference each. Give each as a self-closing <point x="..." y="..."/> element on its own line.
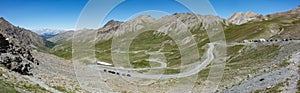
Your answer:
<point x="67" y="35"/>
<point x="48" y="33"/>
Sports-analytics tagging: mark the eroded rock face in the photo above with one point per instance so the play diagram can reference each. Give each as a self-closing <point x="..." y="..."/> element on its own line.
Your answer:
<point x="24" y="35"/>
<point x="15" y="57"/>
<point x="3" y="44"/>
<point x="241" y="18"/>
<point x="112" y="23"/>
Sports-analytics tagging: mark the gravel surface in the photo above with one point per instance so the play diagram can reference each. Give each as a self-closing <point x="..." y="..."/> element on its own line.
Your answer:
<point x="56" y="72"/>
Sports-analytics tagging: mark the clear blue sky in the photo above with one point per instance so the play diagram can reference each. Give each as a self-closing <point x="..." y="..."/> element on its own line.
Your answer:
<point x="63" y="14"/>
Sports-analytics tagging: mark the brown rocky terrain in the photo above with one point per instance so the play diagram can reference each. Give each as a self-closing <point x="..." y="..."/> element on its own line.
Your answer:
<point x="25" y="36"/>
<point x="15" y="56"/>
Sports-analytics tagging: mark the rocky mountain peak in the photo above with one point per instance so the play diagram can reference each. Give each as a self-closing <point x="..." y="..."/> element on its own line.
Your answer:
<point x="295" y="10"/>
<point x="5" y="24"/>
<point x="145" y="18"/>
<point x="1" y="18"/>
<point x="112" y="23"/>
<point x="241" y="18"/>
<point x="250" y="13"/>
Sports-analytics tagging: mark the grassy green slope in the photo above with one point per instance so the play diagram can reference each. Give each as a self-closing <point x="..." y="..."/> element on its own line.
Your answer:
<point x="8" y="86"/>
<point x="237" y="33"/>
<point x="247" y="59"/>
<point x="257" y="30"/>
<point x="64" y="50"/>
<point x="149" y="42"/>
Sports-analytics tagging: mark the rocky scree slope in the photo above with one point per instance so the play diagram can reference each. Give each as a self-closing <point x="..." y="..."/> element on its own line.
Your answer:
<point x="27" y="37"/>
<point x="15" y="56"/>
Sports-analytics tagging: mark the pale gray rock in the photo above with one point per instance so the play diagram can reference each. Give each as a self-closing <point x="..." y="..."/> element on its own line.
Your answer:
<point x="15" y="56"/>
<point x="241" y="18"/>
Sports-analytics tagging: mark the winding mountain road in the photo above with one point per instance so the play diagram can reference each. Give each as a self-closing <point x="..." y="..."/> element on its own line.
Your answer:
<point x="196" y="68"/>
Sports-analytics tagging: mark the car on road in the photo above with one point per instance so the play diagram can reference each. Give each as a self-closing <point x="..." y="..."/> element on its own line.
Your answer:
<point x="113" y="72"/>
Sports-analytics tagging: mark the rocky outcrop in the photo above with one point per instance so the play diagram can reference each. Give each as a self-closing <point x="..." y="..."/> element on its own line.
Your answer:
<point x="26" y="36"/>
<point x="14" y="55"/>
<point x="112" y="23"/>
<point x="241" y="18"/>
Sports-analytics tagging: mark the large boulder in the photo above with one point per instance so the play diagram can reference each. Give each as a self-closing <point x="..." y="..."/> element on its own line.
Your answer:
<point x="15" y="56"/>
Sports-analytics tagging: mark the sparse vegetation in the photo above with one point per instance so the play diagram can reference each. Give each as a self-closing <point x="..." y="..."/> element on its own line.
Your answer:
<point x="9" y="87"/>
<point x="251" y="30"/>
<point x="63" y="51"/>
<point x="103" y="51"/>
<point x="1" y="65"/>
<point x="6" y="87"/>
<point x="124" y="92"/>
<point x="151" y="43"/>
<point x="234" y="50"/>
<point x="249" y="61"/>
<point x="145" y="41"/>
<point x="274" y="89"/>
<point x="203" y="73"/>
<point x="298" y="86"/>
<point x="172" y="71"/>
<point x="141" y="64"/>
<point x="30" y="87"/>
<point x="62" y="89"/>
<point x="285" y="62"/>
<point x="261" y="55"/>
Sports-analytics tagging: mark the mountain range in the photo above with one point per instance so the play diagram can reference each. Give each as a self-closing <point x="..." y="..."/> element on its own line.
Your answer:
<point x="48" y="33"/>
<point x="246" y="64"/>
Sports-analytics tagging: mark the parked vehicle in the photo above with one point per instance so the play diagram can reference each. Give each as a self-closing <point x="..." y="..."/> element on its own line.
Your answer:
<point x="113" y="72"/>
